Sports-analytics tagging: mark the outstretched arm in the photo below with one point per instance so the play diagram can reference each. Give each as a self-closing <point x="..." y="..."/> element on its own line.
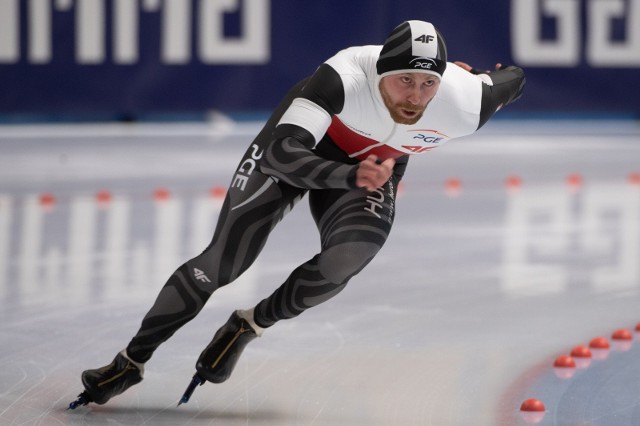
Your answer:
<point x="501" y="87"/>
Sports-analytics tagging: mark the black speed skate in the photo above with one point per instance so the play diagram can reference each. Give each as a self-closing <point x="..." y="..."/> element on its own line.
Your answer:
<point x="104" y="383"/>
<point x="219" y="358"/>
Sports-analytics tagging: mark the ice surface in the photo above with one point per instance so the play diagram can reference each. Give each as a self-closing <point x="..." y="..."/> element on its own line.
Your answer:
<point x="456" y="322"/>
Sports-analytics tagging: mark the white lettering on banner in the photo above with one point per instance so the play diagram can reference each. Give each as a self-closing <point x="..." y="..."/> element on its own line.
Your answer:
<point x="528" y="46"/>
<point x="251" y="46"/>
<point x="603" y="52"/>
<point x="176" y="32"/>
<point x="125" y="32"/>
<point x="530" y="49"/>
<point x="9" y="34"/>
<point x="90" y="25"/>
<point x="39" y="26"/>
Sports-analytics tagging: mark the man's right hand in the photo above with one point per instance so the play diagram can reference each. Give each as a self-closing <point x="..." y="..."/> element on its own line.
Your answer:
<point x="371" y="175"/>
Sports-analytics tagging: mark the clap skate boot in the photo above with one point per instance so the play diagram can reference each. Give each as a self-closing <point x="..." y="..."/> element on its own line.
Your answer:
<point x="219" y="358"/>
<point x="104" y="383"/>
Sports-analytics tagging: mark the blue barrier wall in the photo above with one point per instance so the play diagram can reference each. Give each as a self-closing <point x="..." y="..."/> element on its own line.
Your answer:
<point x="134" y="57"/>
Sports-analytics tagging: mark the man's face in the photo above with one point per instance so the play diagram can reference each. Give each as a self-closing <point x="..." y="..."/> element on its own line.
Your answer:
<point x="407" y="95"/>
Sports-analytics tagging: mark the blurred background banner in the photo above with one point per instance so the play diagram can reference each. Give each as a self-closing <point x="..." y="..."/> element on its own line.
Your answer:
<point x="128" y="59"/>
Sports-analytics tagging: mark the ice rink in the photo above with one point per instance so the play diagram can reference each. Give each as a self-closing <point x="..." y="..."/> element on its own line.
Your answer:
<point x="510" y="248"/>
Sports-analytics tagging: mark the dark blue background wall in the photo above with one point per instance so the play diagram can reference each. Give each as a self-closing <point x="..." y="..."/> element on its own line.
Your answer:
<point x="136" y="57"/>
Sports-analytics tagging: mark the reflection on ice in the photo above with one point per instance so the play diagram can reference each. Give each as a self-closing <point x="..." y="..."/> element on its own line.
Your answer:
<point x="556" y="237"/>
<point x="82" y="242"/>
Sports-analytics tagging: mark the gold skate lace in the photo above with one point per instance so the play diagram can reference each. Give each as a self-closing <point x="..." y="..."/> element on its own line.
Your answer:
<point x="241" y="331"/>
<point x="129" y="367"/>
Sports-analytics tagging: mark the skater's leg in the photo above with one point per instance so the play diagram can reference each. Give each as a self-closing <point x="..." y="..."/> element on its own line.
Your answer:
<point x="185" y="293"/>
<point x="354" y="226"/>
<point x="254" y="204"/>
<point x="245" y="222"/>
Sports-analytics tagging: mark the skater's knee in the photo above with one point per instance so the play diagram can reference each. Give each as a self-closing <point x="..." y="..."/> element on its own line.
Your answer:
<point x="339" y="263"/>
<point x="214" y="269"/>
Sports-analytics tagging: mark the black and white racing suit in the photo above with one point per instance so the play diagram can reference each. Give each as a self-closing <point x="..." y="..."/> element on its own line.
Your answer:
<point x="312" y="144"/>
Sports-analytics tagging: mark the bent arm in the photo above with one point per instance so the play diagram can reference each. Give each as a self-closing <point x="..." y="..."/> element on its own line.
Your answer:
<point x="289" y="156"/>
<point x="506" y="86"/>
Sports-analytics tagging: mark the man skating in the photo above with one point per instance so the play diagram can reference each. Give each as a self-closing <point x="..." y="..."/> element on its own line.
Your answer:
<point x="344" y="136"/>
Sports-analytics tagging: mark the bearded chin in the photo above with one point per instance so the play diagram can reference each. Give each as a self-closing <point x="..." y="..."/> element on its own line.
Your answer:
<point x="397" y="116"/>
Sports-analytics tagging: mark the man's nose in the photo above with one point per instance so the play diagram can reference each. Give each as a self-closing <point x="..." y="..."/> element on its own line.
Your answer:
<point x="414" y="96"/>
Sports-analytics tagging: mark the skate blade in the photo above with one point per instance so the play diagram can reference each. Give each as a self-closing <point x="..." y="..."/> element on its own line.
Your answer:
<point x="83" y="399"/>
<point x="196" y="381"/>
